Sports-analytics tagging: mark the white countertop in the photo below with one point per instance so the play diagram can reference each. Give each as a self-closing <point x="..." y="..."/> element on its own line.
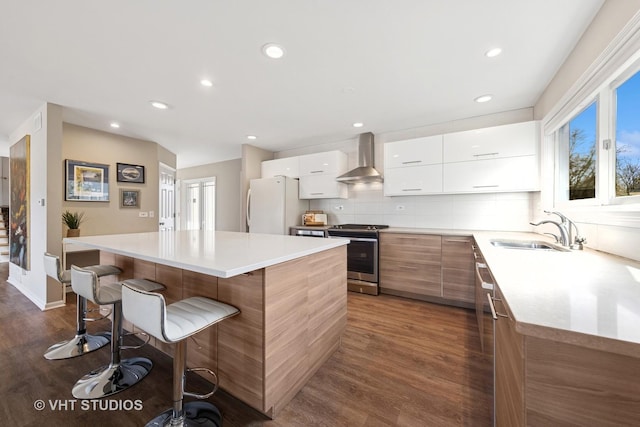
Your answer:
<point x="217" y="253"/>
<point x="584" y="297"/>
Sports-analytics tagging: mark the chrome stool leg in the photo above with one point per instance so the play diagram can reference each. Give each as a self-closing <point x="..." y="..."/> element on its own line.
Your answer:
<point x="191" y="413"/>
<point x="119" y="374"/>
<point x="83" y="342"/>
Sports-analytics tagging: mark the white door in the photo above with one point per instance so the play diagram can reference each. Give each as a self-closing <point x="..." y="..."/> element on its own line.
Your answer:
<point x="199" y="204"/>
<point x="166" y="210"/>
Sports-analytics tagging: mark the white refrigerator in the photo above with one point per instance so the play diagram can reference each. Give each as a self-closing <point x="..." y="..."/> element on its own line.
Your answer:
<point x="273" y="205"/>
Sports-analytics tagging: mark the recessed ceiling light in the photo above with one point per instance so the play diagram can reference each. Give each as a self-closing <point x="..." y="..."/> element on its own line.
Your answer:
<point x="493" y="52"/>
<point x="206" y="83"/>
<point x="483" y="98"/>
<point x="358" y="125"/>
<point x="159" y="105"/>
<point x="115" y="125"/>
<point x="273" y="51"/>
<point x="252" y="137"/>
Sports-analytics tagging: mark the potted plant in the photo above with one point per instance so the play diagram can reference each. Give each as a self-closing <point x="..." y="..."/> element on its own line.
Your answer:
<point x="72" y="220"/>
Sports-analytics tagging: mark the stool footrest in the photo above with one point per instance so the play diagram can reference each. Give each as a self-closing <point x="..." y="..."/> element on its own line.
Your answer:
<point x="207" y="395"/>
<point x="135" y="347"/>
<point x="94" y="319"/>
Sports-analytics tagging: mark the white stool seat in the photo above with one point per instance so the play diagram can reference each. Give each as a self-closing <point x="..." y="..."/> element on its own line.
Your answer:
<point x="110" y="293"/>
<point x="100" y="270"/>
<point x="191" y="315"/>
<point x="173" y="322"/>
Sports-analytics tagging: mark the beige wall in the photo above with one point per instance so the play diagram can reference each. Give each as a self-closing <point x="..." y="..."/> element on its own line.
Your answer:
<point x="44" y="224"/>
<point x="606" y="25"/>
<point x="90" y="145"/>
<point x="228" y="197"/>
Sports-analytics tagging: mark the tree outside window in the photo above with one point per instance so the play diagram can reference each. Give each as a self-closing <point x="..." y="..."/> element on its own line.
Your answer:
<point x="581" y="132"/>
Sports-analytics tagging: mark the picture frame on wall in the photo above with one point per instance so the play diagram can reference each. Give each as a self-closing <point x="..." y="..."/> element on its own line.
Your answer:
<point x="129" y="198"/>
<point x="130" y="173"/>
<point x="86" y="181"/>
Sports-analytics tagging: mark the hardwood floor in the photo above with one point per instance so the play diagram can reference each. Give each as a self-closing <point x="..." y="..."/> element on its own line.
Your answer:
<point x="401" y="363"/>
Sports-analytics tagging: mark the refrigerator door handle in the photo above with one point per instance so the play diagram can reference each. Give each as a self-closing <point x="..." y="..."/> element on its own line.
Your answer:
<point x="248" y="209"/>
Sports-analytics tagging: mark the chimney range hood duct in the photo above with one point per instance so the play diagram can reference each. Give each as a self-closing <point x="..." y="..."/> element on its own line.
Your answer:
<point x="365" y="171"/>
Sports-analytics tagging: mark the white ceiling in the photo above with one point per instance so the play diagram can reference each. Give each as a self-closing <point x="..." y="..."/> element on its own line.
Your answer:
<point x="392" y="64"/>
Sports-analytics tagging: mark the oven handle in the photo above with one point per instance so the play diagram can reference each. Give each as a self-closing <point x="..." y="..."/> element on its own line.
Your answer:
<point x="356" y="239"/>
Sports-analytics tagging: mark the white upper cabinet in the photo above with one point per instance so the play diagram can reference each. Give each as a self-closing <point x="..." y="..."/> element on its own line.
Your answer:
<point x="413" y="152"/>
<point x="519" y="139"/>
<point x="287" y="166"/>
<point x="330" y="162"/>
<point x="413" y="166"/>
<point x="492" y="175"/>
<point x="318" y="173"/>
<point x="413" y="181"/>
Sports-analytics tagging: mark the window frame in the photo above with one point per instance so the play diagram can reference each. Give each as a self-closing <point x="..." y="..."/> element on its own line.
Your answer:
<point x="606" y="199"/>
<point x="621" y="79"/>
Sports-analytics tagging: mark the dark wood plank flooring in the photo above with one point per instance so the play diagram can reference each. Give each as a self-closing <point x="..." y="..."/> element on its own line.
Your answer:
<point x="401" y="363"/>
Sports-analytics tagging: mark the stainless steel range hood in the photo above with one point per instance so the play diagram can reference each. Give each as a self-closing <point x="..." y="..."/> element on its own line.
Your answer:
<point x="365" y="172"/>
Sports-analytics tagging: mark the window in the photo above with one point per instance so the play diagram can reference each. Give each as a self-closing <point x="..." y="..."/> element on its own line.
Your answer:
<point x="577" y="154"/>
<point x="598" y="148"/>
<point x="627" y="146"/>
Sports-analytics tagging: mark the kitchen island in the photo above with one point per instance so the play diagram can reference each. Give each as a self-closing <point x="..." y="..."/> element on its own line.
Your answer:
<point x="291" y="292"/>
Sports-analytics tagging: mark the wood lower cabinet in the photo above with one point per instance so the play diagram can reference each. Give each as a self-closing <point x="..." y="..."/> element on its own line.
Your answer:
<point x="429" y="267"/>
<point x="410" y="264"/>
<point x="458" y="269"/>
<point x="541" y="382"/>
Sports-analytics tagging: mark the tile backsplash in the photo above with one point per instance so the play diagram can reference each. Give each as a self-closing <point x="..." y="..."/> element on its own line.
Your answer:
<point x="488" y="211"/>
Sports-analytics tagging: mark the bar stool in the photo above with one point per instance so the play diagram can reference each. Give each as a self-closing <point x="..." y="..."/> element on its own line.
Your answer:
<point x="119" y="374"/>
<point x="83" y="342"/>
<point x="174" y="324"/>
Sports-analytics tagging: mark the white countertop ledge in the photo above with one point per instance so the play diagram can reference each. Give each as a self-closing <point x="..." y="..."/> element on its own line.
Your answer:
<point x="217" y="253"/>
<point x="588" y="298"/>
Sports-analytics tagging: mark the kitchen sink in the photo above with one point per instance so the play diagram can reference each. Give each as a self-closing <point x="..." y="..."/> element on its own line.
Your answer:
<point x="537" y="245"/>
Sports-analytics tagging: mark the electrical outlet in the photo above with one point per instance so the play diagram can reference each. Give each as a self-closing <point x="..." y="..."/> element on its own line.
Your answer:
<point x="143" y="214"/>
<point x="152" y="214"/>
<point x="338" y="208"/>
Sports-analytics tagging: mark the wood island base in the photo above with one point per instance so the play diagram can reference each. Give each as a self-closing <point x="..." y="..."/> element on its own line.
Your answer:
<point x="292" y="316"/>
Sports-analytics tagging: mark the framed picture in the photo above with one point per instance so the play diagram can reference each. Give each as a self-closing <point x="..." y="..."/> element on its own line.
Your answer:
<point x="130" y="173"/>
<point x="86" y="182"/>
<point x="129" y="198"/>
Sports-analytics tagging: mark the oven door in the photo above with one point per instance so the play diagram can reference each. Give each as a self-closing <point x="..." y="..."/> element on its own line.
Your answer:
<point x="362" y="259"/>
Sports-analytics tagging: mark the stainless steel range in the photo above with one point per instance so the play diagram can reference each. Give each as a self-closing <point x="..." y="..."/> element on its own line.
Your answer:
<point x="362" y="255"/>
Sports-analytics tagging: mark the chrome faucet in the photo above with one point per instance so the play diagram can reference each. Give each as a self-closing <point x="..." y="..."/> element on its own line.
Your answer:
<point x="566" y="227"/>
<point x="563" y="239"/>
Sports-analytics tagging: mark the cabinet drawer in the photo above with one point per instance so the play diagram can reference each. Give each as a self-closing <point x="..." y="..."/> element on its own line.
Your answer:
<point x="495" y="175"/>
<point x="413" y="152"/>
<point x="457" y="252"/>
<point x="413" y="181"/>
<point x="512" y="140"/>
<point x="416" y="278"/>
<point x="423" y="249"/>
